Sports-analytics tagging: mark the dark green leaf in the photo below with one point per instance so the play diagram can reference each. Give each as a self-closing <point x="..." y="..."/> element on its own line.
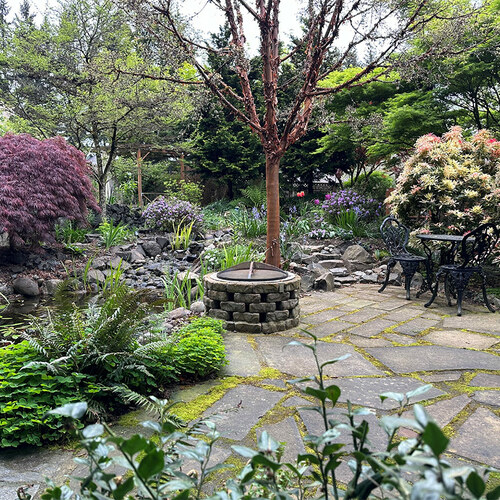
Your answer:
<point x="152" y="464"/>
<point x="475" y="484"/>
<point x="493" y="494"/>
<point x="123" y="489"/>
<point x="433" y="437"/>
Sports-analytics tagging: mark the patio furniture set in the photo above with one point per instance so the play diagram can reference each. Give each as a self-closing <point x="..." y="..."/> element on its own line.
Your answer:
<point x="459" y="258"/>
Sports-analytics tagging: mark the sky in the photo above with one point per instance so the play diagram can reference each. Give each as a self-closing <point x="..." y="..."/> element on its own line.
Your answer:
<point x="204" y="16"/>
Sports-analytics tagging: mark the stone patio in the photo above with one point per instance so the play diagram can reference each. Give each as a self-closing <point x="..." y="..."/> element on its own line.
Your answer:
<point x="394" y="345"/>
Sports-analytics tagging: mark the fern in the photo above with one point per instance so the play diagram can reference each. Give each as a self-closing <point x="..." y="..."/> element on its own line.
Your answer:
<point x="150" y="404"/>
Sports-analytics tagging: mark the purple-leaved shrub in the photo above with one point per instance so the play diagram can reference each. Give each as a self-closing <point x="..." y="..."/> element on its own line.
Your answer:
<point x="40" y="182"/>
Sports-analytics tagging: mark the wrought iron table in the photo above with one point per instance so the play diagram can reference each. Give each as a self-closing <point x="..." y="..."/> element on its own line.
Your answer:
<point x="447" y="254"/>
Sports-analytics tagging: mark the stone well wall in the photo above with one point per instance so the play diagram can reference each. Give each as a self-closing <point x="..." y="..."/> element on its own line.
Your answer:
<point x="253" y="307"/>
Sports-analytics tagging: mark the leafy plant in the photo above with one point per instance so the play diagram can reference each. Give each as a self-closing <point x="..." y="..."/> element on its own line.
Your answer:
<point x="255" y="195"/>
<point x="154" y="466"/>
<point x="101" y="340"/>
<point x="166" y="214"/>
<point x="68" y="232"/>
<point x="182" y="236"/>
<point x="178" y="289"/>
<point x="128" y="188"/>
<point x="450" y="184"/>
<point x="349" y="221"/>
<point x="250" y="224"/>
<point x="114" y="235"/>
<point x="28" y="390"/>
<point x="184" y="190"/>
<point x="200" y="350"/>
<point x="374" y="185"/>
<point x="41" y="181"/>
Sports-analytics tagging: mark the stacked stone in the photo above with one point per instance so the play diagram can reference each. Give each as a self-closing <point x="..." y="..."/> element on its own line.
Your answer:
<point x="253" y="307"/>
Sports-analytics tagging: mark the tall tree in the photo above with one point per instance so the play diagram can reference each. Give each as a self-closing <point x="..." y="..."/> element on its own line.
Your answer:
<point x="388" y="25"/>
<point x="61" y="79"/>
<point x="4" y="24"/>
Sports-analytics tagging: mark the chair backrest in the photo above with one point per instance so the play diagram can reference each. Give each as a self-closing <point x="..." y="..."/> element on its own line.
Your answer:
<point x="479" y="243"/>
<point x="395" y="235"/>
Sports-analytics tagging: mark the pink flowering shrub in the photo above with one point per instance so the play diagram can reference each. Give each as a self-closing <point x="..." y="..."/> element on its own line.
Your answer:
<point x="41" y="181"/>
<point x="450" y="184"/>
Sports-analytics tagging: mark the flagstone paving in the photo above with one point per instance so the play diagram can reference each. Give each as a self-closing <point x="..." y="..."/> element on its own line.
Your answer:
<point x="394" y="345"/>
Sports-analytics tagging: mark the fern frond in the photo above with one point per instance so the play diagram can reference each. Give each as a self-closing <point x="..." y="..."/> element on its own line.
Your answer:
<point x="144" y="350"/>
<point x="35" y="345"/>
<point x="42" y="364"/>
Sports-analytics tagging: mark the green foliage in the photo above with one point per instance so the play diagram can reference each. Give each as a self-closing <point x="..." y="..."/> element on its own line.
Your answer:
<point x="179" y="288"/>
<point x="374" y="185"/>
<point x="349" y="221"/>
<point x="450" y="185"/>
<point x="229" y="255"/>
<point x="183" y="190"/>
<point x="249" y="223"/>
<point x="255" y="195"/>
<point x="200" y="350"/>
<point x="181" y="237"/>
<point x="28" y="390"/>
<point x="114" y="235"/>
<point x="100" y="340"/>
<point x="68" y="232"/>
<point x="128" y="189"/>
<point x="313" y="473"/>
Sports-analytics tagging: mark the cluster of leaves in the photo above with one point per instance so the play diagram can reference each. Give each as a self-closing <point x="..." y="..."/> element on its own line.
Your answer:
<point x="450" y="184"/>
<point x="193" y="352"/>
<point x="28" y="390"/>
<point x="183" y="190"/>
<point x="409" y="469"/>
<point x="249" y="223"/>
<point x="114" y="235"/>
<point x="374" y="185"/>
<point x="166" y="214"/>
<point x="40" y="182"/>
<point x="227" y="256"/>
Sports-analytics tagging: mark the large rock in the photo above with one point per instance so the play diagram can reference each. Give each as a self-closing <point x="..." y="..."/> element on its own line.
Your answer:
<point x="357" y="258"/>
<point x="26" y="286"/>
<point x="51" y="286"/>
<point x="95" y="276"/>
<point x="325" y="282"/>
<point x="152" y="248"/>
<point x="316" y="270"/>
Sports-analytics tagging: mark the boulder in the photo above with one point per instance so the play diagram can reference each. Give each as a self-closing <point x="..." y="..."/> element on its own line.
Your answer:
<point x="95" y="276"/>
<point x="163" y="241"/>
<point x="178" y="313"/>
<point x="26" y="286"/>
<point x="357" y="258"/>
<point x="51" y="286"/>
<point x="316" y="270"/>
<point x="325" y="282"/>
<point x="151" y="248"/>
<point x="4" y="240"/>
<point x="306" y="283"/>
<point x="197" y="307"/>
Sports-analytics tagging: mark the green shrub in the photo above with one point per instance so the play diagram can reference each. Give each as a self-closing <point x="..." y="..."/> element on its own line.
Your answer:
<point x="374" y="185"/>
<point x="28" y="392"/>
<point x="216" y="325"/>
<point x="255" y="195"/>
<point x="199" y="353"/>
<point x="69" y="232"/>
<point x="114" y="235"/>
<point x="183" y="190"/>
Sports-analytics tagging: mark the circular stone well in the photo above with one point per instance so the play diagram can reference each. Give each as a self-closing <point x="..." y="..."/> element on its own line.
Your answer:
<point x="253" y="306"/>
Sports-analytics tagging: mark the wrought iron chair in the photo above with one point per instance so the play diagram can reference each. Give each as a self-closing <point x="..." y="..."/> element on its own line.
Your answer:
<point x="476" y="248"/>
<point x="395" y="236"/>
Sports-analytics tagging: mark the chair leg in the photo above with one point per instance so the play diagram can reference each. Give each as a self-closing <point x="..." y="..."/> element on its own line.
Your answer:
<point x="460" y="294"/>
<point x="485" y="296"/>
<point x="407" y="286"/>
<point x="427" y="283"/>
<point x="390" y="265"/>
<point x="409" y="270"/>
<point x="435" y="291"/>
<point x="447" y="288"/>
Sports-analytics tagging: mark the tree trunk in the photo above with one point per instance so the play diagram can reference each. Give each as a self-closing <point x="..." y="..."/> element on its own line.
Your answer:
<point x="273" y="255"/>
<point x="102" y="197"/>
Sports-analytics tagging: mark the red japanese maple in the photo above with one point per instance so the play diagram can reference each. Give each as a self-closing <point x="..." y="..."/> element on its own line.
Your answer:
<point x="41" y="181"/>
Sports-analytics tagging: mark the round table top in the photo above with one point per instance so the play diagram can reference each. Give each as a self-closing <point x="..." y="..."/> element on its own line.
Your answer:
<point x="440" y="237"/>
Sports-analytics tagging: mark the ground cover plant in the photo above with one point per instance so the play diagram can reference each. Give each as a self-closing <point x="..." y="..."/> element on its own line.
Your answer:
<point x="450" y="184"/>
<point x="40" y="182"/>
<point x="412" y="469"/>
<point x="95" y="355"/>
